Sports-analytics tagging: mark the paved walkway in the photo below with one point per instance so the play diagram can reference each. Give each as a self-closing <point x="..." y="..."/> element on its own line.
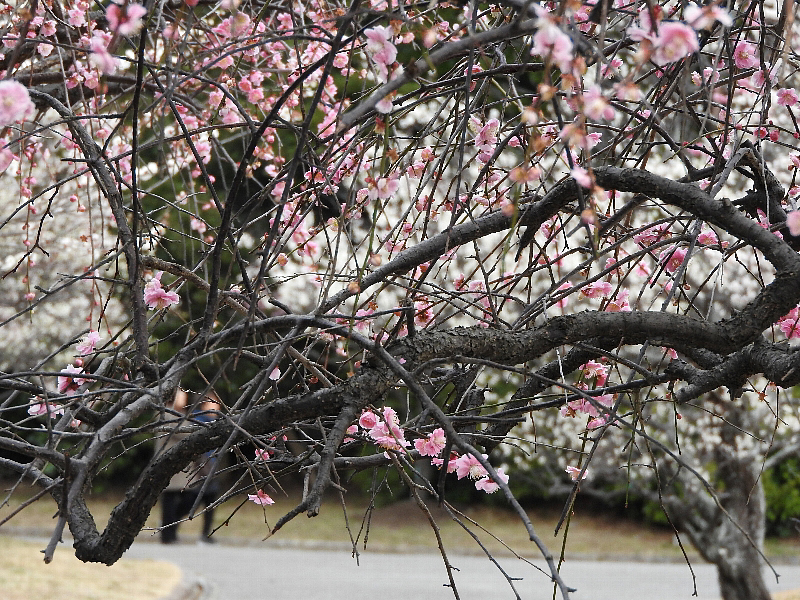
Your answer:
<point x="265" y="572"/>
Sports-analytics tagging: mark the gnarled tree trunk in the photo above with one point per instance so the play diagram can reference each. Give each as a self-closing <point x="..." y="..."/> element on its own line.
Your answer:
<point x="728" y="533"/>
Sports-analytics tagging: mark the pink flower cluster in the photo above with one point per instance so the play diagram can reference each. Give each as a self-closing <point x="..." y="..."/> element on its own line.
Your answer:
<point x="674" y="42"/>
<point x="485" y="138"/>
<point x="745" y="55"/>
<point x="599" y="372"/>
<point x="787" y="96"/>
<point x="551" y="42"/>
<point x="381" y="49"/>
<point x="156" y="297"/>
<point x="468" y="465"/>
<point x="789" y="324"/>
<point x="431" y="445"/>
<point x="651" y="235"/>
<point x="619" y="303"/>
<point x="100" y="57"/>
<point x="384" y="429"/>
<point x="597" y="289"/>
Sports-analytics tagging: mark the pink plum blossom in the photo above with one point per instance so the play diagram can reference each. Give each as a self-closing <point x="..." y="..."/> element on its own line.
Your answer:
<point x="564" y="300"/>
<point x="674" y="42"/>
<point x="708" y="238"/>
<point x="702" y="17"/>
<point x="452" y="463"/>
<point x="67" y="383"/>
<point x="368" y="419"/>
<point x="42" y="408"/>
<point x="789" y="324"/>
<point x="790" y="328"/>
<point x="87" y="344"/>
<point x="385" y="432"/>
<point x="125" y="20"/>
<point x="156" y="297"/>
<point x="489" y="485"/>
<point x="100" y="57"/>
<point x="586" y="406"/>
<point x="385" y="105"/>
<point x="595" y="106"/>
<point x="390" y="415"/>
<point x="485" y="137"/>
<point x="468" y="465"/>
<point x="433" y="444"/>
<point x="261" y="498"/>
<point x="597" y="422"/>
<point x="262" y="454"/>
<point x="745" y="56"/>
<point x="672" y="258"/>
<point x="787" y="96"/>
<point x="651" y="235"/>
<point x="575" y="472"/>
<point x="6" y="158"/>
<point x="198" y="225"/>
<point x="582" y="176"/>
<point x="551" y="42"/>
<point x="381" y="49"/>
<point x="597" y="289"/>
<point x="15" y="102"/>
<point x="763" y="221"/>
<point x="595" y="370"/>
<point x="619" y="303"/>
<point x="389" y="437"/>
<point x="385" y="187"/>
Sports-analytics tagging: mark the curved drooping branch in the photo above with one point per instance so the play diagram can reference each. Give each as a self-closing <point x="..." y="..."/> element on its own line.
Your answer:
<point x="368" y="386"/>
<point x="128" y="517"/>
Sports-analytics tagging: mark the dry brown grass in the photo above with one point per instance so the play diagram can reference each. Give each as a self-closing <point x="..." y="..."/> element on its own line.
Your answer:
<point x="23" y="575"/>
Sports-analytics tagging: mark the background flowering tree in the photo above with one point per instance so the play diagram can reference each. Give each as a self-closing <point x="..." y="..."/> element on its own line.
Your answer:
<point x="351" y="216"/>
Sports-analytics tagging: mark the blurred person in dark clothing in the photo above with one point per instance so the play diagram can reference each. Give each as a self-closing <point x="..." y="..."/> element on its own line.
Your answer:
<point x="184" y="488"/>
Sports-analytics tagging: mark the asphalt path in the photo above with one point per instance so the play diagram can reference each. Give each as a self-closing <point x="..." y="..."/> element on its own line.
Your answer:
<point x="265" y="572"/>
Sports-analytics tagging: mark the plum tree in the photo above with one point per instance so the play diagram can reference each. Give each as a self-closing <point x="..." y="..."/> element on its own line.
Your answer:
<point x="322" y="210"/>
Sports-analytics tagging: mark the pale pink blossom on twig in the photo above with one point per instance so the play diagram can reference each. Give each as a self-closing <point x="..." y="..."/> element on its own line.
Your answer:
<point x="575" y="472"/>
<point x="156" y="297"/>
<point x="87" y="344"/>
<point x="745" y="56"/>
<point x="260" y="498"/>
